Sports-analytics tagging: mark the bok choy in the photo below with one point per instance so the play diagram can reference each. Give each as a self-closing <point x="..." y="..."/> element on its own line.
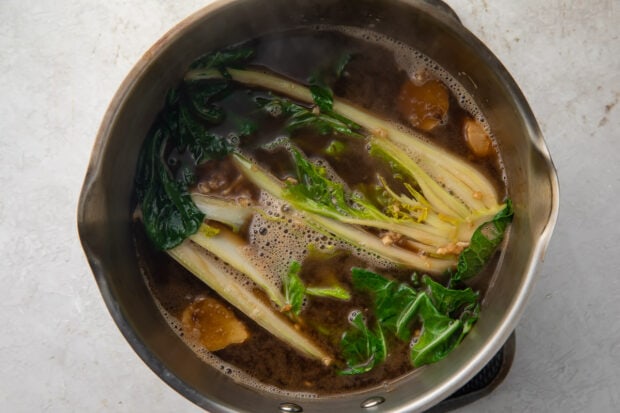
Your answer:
<point x="447" y="199"/>
<point x="445" y="316"/>
<point x="435" y="213"/>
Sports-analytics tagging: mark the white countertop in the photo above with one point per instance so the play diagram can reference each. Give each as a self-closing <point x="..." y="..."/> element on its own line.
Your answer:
<point x="60" y="64"/>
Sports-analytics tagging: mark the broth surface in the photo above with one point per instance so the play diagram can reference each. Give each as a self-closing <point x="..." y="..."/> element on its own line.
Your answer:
<point x="372" y="80"/>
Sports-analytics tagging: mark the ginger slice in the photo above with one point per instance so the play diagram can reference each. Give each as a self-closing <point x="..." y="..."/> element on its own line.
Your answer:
<point x="477" y="138"/>
<point x="212" y="324"/>
<point x="424" y="105"/>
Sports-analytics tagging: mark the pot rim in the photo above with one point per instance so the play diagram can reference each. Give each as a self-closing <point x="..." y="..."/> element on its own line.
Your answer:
<point x="91" y="186"/>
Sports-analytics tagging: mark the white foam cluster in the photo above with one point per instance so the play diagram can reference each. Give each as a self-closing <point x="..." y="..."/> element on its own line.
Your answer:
<point x="276" y="236"/>
<point x="280" y="235"/>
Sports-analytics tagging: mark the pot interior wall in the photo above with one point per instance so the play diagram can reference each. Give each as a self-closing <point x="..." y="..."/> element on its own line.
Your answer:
<point x="104" y="216"/>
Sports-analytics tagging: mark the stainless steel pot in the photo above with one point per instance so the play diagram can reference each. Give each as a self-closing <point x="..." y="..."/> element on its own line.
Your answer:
<point x="429" y="26"/>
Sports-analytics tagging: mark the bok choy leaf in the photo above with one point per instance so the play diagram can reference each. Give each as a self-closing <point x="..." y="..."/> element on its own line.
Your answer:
<point x="441" y="316"/>
<point x="168" y="213"/>
<point x="483" y="243"/>
<point x="362" y="348"/>
<point x="295" y="290"/>
<point x="324" y="121"/>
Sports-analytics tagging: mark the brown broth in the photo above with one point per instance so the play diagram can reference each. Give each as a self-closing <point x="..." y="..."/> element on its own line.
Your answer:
<point x="371" y="80"/>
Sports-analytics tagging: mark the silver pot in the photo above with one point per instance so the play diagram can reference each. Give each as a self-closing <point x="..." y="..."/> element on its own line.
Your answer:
<point x="429" y="26"/>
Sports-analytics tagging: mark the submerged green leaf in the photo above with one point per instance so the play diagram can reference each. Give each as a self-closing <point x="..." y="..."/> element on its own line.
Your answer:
<point x="196" y="137"/>
<point x="321" y="80"/>
<point x="301" y="117"/>
<point x="341" y="63"/>
<point x="246" y="127"/>
<point x="442" y="316"/>
<point x="361" y="347"/>
<point x="322" y="96"/>
<point x="202" y="94"/>
<point x="438" y="337"/>
<point x="449" y="300"/>
<point x="168" y="212"/>
<point x="389" y="297"/>
<point x="441" y="332"/>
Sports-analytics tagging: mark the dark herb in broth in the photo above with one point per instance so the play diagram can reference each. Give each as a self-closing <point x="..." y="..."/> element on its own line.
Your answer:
<point x="372" y="79"/>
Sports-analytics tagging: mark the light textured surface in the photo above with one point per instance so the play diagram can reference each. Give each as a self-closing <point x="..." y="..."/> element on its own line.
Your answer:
<point x="60" y="63"/>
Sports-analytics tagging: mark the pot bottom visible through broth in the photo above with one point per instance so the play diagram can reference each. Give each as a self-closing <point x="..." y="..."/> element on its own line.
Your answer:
<point x="372" y="79"/>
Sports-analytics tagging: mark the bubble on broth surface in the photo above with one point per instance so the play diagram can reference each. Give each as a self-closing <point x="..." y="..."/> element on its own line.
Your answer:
<point x="288" y="236"/>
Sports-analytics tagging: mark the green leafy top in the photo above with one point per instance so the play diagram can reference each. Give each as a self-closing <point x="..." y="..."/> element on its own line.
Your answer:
<point x="316" y="192"/>
<point x="301" y="117"/>
<point x="483" y="243"/>
<point x="168" y="213"/>
<point x="443" y="316"/>
<point x="362" y="348"/>
<point x="293" y="288"/>
<point x="316" y="189"/>
<point x="236" y="57"/>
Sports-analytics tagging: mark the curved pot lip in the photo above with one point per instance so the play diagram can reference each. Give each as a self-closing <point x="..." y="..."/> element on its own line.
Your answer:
<point x="440" y="11"/>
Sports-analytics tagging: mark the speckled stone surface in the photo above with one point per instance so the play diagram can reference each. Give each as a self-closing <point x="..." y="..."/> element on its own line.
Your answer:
<point x="60" y="64"/>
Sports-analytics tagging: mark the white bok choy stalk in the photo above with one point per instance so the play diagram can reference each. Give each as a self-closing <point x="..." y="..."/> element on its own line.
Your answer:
<point x="230" y="213"/>
<point x="227" y="245"/>
<point x="234" y="251"/>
